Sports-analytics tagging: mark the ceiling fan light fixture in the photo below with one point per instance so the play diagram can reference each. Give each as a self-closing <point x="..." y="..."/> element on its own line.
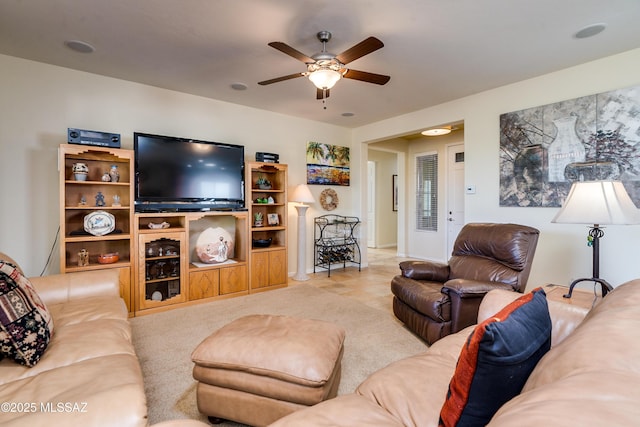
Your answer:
<point x="437" y="131"/>
<point x="324" y="78"/>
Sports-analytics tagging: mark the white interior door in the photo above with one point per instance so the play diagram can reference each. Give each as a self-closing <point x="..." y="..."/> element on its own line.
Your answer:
<point x="371" y="204"/>
<point x="455" y="193"/>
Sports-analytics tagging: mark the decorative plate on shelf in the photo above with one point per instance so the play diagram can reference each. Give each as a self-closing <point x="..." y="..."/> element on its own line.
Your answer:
<point x="214" y="245"/>
<point x="99" y="223"/>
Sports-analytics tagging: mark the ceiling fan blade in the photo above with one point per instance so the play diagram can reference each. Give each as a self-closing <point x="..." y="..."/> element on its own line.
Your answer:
<point x="285" y="48"/>
<point x="322" y="93"/>
<point x="363" y="48"/>
<point x="280" y="79"/>
<point x="364" y="76"/>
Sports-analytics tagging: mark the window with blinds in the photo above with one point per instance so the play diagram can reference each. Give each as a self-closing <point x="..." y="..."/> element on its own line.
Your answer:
<point x="427" y="192"/>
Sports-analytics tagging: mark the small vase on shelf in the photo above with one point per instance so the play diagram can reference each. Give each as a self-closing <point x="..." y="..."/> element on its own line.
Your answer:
<point x="80" y="171"/>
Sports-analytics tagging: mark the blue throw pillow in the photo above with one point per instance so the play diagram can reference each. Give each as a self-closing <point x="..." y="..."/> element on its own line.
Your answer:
<point x="496" y="361"/>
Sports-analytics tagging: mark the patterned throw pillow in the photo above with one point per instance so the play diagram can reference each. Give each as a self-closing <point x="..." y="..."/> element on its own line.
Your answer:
<point x="496" y="361"/>
<point x="25" y="323"/>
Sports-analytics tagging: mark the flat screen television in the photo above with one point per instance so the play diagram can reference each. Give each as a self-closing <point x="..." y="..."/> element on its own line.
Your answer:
<point x="180" y="174"/>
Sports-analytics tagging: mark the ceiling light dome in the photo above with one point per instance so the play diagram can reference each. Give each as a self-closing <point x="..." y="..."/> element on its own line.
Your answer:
<point x="437" y="131"/>
<point x="324" y="78"/>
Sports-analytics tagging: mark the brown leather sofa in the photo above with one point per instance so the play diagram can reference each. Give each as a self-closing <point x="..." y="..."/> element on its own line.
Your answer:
<point x="436" y="299"/>
<point x="589" y="377"/>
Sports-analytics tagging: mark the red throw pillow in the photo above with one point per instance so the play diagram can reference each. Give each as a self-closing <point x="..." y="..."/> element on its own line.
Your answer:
<point x="496" y="361"/>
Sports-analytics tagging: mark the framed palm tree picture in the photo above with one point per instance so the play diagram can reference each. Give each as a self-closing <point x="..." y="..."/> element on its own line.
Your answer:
<point x="327" y="164"/>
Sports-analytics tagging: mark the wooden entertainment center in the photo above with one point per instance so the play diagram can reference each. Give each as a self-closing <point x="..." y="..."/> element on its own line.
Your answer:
<point x="159" y="265"/>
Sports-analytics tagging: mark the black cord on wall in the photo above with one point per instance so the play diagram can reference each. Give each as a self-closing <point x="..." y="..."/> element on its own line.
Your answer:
<point x="51" y="252"/>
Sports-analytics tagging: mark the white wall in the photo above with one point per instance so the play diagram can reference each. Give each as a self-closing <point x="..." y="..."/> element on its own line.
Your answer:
<point x="38" y="102"/>
<point x="562" y="251"/>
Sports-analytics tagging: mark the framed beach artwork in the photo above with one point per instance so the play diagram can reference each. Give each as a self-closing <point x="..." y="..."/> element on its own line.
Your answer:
<point x="327" y="164"/>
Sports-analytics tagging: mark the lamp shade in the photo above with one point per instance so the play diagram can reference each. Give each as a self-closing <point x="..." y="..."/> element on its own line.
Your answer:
<point x="598" y="202"/>
<point x="302" y="194"/>
<point x="324" y="78"/>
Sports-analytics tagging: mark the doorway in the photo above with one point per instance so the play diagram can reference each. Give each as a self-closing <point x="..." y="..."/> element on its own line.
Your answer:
<point x="382" y="218"/>
<point x="409" y="243"/>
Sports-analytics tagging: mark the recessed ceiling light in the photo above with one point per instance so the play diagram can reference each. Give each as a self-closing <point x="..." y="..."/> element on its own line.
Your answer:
<point x="437" y="131"/>
<point x="79" y="46"/>
<point x="590" y="31"/>
<point x="348" y="114"/>
<point x="238" y="86"/>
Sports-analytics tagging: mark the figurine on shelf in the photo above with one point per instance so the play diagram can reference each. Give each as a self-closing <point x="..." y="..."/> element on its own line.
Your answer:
<point x="106" y="177"/>
<point x="99" y="199"/>
<point x="116" y="201"/>
<point x="83" y="200"/>
<point x="114" y="173"/>
<point x="175" y="270"/>
<point x="83" y="258"/>
<point x="222" y="251"/>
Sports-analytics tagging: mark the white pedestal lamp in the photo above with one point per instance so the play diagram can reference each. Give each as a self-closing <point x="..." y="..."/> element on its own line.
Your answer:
<point x="301" y="195"/>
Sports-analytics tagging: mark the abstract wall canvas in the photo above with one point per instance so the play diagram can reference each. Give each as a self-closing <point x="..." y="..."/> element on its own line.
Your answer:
<point x="543" y="150"/>
<point x="327" y="164"/>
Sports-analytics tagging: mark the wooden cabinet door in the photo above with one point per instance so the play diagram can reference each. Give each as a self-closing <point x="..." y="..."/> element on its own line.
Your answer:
<point x="172" y="288"/>
<point x="259" y="270"/>
<point x="277" y="267"/>
<point x="233" y="279"/>
<point x="125" y="287"/>
<point x="203" y="284"/>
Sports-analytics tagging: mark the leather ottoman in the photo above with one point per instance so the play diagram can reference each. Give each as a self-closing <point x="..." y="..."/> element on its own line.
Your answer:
<point x="260" y="368"/>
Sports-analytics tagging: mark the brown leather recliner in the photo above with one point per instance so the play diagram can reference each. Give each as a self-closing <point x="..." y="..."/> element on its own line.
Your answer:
<point x="436" y="299"/>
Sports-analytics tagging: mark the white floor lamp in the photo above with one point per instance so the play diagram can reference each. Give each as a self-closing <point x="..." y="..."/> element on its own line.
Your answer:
<point x="302" y="195"/>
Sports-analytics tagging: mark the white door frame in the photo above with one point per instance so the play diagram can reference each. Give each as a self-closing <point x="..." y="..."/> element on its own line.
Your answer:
<point x="371" y="204"/>
<point x="455" y="195"/>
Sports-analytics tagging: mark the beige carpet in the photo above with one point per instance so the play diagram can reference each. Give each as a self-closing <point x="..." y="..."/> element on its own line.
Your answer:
<point x="164" y="341"/>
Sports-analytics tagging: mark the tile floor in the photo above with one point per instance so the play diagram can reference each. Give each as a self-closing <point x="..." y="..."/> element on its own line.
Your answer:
<point x="370" y="286"/>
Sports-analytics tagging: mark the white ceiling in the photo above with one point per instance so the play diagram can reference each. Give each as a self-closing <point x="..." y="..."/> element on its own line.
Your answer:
<point x="435" y="50"/>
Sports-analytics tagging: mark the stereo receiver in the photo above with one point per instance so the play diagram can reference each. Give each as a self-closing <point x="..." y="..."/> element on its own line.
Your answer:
<point x="267" y="157"/>
<point x="93" y="137"/>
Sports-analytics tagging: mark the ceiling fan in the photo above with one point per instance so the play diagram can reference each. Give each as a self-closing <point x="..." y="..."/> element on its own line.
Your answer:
<point x="324" y="69"/>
